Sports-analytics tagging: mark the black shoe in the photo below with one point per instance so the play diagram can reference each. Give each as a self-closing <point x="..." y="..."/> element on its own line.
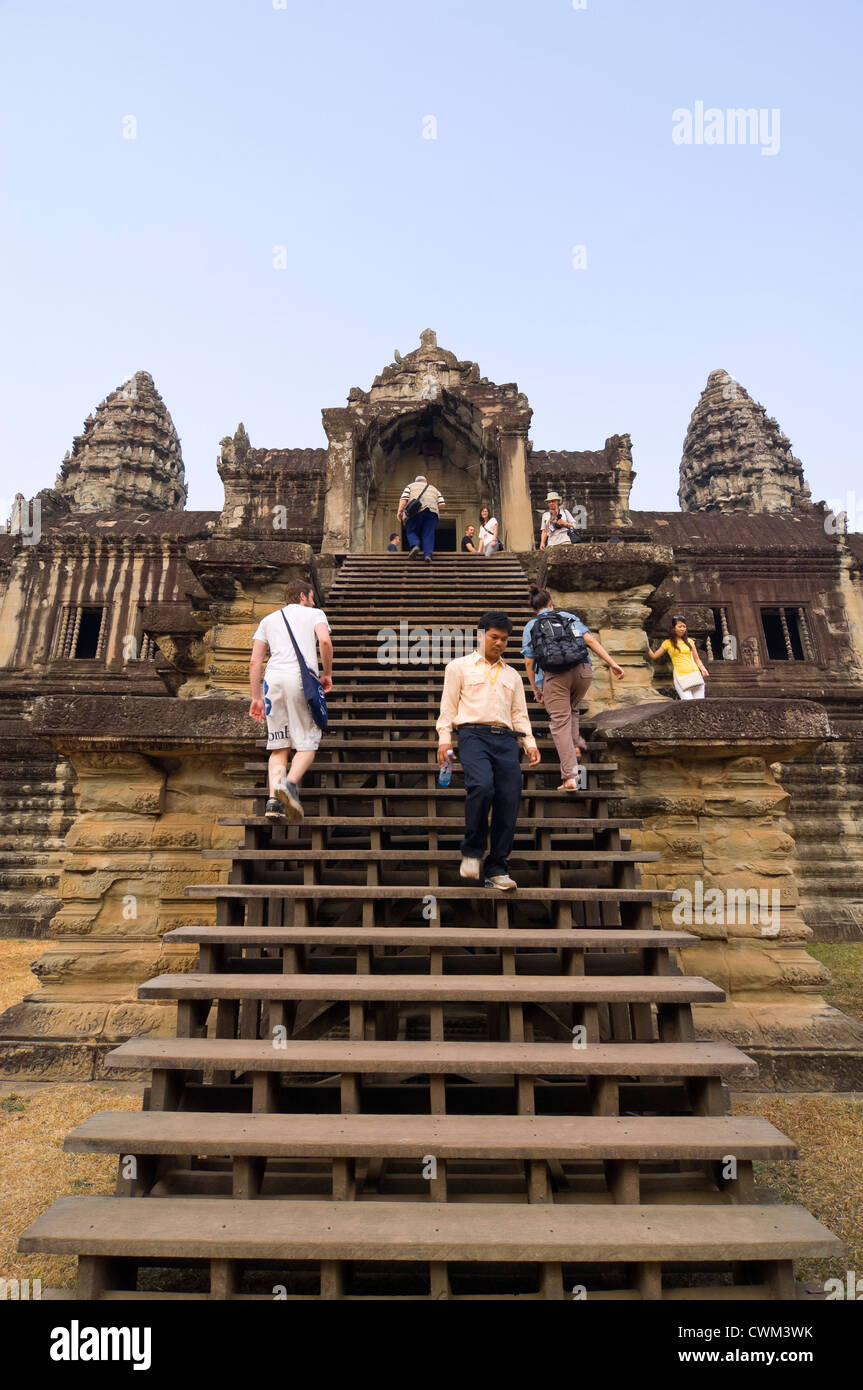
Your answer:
<point x="273" y="810"/>
<point x="414" y="552"/>
<point x="290" y="799"/>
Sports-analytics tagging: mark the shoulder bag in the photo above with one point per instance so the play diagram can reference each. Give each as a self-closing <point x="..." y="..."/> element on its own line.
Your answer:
<point x="414" y="505"/>
<point x="312" y="688"/>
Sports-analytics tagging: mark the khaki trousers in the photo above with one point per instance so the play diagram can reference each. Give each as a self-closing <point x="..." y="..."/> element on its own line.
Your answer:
<point x="562" y="692"/>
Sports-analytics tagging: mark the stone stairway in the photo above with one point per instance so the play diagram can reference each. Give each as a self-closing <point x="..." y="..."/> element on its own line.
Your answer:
<point x="388" y="1083"/>
<point x="36" y="810"/>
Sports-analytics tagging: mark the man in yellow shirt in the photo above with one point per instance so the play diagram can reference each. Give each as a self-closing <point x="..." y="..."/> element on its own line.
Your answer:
<point x="483" y="699"/>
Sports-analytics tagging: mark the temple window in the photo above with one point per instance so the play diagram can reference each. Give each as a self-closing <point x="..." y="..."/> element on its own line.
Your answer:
<point x="82" y="632"/>
<point x="721" y="643"/>
<point x="787" y="634"/>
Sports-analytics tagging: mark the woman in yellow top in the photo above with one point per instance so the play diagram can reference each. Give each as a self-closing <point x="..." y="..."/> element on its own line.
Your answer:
<point x="689" y="673"/>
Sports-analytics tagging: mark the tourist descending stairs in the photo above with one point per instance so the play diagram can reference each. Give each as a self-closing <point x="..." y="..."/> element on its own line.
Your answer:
<point x="389" y="1083"/>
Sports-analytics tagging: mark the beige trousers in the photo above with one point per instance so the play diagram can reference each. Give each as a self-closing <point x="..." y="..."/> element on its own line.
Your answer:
<point x="562" y="692"/>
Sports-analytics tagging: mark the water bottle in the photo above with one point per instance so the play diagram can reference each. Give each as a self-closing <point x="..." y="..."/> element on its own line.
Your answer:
<point x="445" y="776"/>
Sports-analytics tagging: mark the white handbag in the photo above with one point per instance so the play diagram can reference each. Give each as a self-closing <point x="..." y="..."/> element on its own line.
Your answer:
<point x="690" y="679"/>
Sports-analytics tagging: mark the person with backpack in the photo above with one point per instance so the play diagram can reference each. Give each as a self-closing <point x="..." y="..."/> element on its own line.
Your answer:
<point x="689" y="672"/>
<point x="558" y="525"/>
<point x="419" y="509"/>
<point x="555" y="645"/>
<point x="285" y="693"/>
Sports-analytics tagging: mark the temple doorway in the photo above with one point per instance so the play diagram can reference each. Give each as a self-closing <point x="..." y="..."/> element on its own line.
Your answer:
<point x="424" y="442"/>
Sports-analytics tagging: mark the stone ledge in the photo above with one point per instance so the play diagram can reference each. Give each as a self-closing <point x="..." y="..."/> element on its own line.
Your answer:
<point x="142" y="723"/>
<point x="788" y="1070"/>
<point x="605" y="565"/>
<point x="777" y="729"/>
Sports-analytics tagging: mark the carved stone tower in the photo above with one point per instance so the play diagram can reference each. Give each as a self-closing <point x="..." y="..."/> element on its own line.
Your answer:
<point x="128" y="455"/>
<point x="735" y="457"/>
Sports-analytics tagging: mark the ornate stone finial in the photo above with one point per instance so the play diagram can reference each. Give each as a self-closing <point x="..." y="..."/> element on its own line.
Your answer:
<point x="428" y="338"/>
<point x="397" y="357"/>
<point x="735" y="457"/>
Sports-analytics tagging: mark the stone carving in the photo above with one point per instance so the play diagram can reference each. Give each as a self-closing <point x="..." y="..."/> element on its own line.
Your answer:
<point x="735" y="457"/>
<point x="128" y="455"/>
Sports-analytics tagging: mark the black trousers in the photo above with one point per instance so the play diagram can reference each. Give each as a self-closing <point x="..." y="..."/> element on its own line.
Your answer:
<point x="493" y="782"/>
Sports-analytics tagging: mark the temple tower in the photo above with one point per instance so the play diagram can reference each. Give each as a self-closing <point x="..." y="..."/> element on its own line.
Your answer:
<point x="128" y="455"/>
<point x="735" y="457"/>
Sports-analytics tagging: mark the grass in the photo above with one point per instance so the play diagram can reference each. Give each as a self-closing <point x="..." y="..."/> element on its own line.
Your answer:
<point x="827" y="1178"/>
<point x="844" y="960"/>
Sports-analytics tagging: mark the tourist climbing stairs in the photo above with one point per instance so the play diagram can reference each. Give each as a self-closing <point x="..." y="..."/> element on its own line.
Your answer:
<point x="388" y="1082"/>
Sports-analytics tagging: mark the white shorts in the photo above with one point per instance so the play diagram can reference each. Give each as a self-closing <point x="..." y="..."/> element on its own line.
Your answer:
<point x="289" y="723"/>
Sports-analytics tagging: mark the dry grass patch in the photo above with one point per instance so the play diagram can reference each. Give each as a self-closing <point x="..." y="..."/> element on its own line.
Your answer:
<point x="34" y="1121"/>
<point x="827" y="1178"/>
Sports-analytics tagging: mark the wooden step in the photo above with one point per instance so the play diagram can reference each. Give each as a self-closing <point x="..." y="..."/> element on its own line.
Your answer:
<point x="414" y="824"/>
<point x="564" y="858"/>
<point x="430" y="766"/>
<point x="357" y="893"/>
<point x="163" y="1228"/>
<point x="330" y="1057"/>
<point x="438" y="989"/>
<point x="446" y="1136"/>
<point x="474" y="938"/>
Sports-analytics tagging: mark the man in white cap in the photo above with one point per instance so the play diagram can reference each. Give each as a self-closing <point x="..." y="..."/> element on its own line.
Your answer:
<point x="419" y="508"/>
<point x="555" y="523"/>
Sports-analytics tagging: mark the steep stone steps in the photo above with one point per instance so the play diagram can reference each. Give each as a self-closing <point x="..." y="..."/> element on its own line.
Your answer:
<point x="439" y="1090"/>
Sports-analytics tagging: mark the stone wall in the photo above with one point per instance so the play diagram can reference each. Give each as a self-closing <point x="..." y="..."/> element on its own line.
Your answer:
<point x="143" y="817"/>
<point x="703" y="775"/>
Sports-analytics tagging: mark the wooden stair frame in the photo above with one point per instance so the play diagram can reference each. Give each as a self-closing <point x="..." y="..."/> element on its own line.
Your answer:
<point x="390" y="1083"/>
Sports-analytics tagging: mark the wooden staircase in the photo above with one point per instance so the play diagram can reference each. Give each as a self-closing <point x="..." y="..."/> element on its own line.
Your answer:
<point x="388" y="1083"/>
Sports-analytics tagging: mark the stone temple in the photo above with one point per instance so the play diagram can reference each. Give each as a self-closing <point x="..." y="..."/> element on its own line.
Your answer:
<point x="124" y="645"/>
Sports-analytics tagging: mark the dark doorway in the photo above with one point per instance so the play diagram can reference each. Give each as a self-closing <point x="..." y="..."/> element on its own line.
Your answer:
<point x="445" y="535"/>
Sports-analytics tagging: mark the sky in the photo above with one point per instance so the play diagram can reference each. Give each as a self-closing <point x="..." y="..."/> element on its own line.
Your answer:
<point x="430" y="165"/>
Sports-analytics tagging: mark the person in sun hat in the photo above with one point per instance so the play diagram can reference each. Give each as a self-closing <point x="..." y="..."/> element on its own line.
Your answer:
<point x="556" y="522"/>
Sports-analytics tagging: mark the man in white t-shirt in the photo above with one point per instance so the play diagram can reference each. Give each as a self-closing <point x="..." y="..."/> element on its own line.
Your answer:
<point x="277" y="694"/>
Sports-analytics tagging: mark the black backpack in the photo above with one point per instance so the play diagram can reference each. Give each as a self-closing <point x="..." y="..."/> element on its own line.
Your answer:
<point x="557" y="647"/>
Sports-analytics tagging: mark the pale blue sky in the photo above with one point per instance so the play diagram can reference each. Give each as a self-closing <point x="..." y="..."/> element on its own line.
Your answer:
<point x="303" y="126"/>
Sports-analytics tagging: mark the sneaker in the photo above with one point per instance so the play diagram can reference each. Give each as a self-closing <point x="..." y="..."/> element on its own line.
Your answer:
<point x="414" y="552"/>
<point x="469" y="868"/>
<point x="290" y="799"/>
<point x="427" y="559"/>
<point x="500" y="881"/>
<point x="273" y="810"/>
